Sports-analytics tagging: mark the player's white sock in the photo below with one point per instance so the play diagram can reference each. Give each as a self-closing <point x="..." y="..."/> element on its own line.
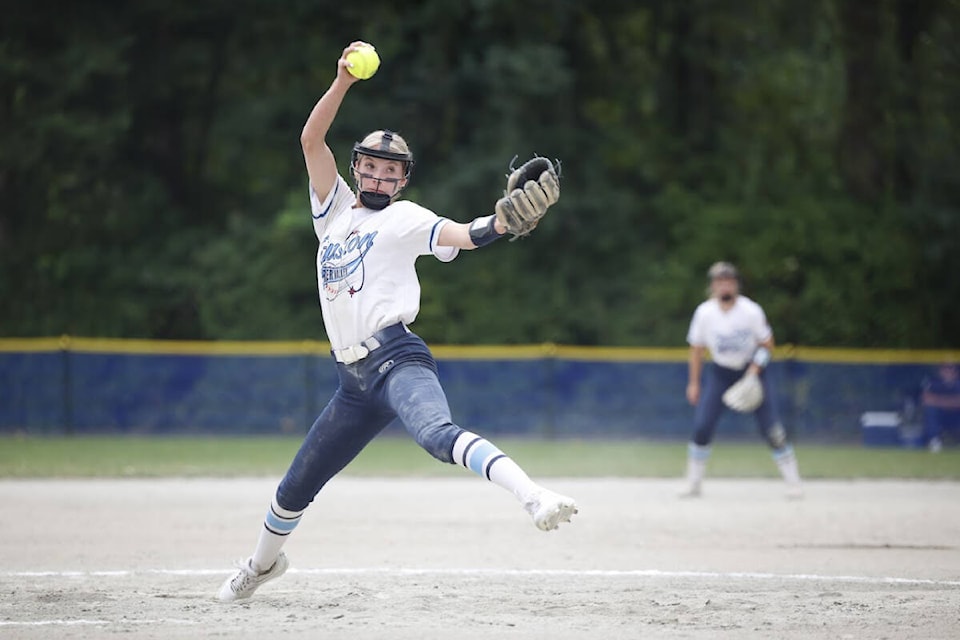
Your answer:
<point x="697" y="456"/>
<point x="483" y="458"/>
<point x="277" y="525"/>
<point x="786" y="461"/>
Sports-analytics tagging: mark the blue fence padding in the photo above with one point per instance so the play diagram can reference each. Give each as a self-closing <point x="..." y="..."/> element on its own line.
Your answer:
<point x="85" y="393"/>
<point x="32" y="391"/>
<point x="165" y="393"/>
<point x="829" y="398"/>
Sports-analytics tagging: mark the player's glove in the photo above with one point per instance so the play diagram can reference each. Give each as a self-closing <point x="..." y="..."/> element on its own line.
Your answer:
<point x="531" y="189"/>
<point x="744" y="395"/>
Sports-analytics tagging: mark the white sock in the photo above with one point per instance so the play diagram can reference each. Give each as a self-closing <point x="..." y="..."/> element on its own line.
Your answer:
<point x="697" y="456"/>
<point x="787" y="463"/>
<point x="277" y="526"/>
<point x="487" y="461"/>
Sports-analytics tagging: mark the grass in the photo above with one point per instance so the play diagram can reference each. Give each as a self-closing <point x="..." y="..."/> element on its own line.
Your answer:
<point x="150" y="457"/>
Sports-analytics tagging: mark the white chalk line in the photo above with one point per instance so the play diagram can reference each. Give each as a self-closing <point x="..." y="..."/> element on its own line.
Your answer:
<point x="384" y="571"/>
<point x="81" y="623"/>
<point x="521" y="573"/>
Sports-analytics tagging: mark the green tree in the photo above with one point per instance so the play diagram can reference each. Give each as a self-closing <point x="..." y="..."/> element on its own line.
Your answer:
<point x="152" y="184"/>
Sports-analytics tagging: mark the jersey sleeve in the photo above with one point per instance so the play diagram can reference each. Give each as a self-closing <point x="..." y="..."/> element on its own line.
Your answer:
<point x="696" y="335"/>
<point x="443" y="254"/>
<point x="446" y="254"/>
<point x="323" y="210"/>
<point x="418" y="230"/>
<point x="762" y="330"/>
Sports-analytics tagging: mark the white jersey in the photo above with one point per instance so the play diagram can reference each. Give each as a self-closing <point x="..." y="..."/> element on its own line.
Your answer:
<point x="365" y="263"/>
<point x="731" y="336"/>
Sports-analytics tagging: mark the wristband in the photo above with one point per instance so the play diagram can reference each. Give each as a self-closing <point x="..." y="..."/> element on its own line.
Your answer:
<point x="483" y="231"/>
<point x="761" y="357"/>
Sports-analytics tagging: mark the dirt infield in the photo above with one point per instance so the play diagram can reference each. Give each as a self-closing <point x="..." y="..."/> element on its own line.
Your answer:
<point x="410" y="559"/>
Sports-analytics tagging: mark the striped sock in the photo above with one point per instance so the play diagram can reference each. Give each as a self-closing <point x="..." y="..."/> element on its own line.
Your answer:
<point x="697" y="456"/>
<point x="487" y="461"/>
<point x="277" y="525"/>
<point x="698" y="452"/>
<point x="786" y="461"/>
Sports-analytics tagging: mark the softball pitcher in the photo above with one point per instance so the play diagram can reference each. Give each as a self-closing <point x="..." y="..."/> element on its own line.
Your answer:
<point x="735" y="330"/>
<point x="369" y="295"/>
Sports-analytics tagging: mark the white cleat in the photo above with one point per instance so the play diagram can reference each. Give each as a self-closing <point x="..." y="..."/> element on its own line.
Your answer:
<point x="794" y="491"/>
<point x="245" y="581"/>
<point x="691" y="491"/>
<point x="549" y="509"/>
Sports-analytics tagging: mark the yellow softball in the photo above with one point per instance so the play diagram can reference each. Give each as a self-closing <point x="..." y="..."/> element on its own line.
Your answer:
<point x="364" y="62"/>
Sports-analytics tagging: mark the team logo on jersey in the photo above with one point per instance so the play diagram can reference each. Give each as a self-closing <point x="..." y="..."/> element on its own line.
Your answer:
<point x="341" y="264"/>
<point x="740" y="341"/>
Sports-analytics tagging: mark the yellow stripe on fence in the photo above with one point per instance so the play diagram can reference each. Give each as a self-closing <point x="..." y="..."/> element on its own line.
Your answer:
<point x="458" y="352"/>
<point x="869" y="356"/>
<point x="165" y="347"/>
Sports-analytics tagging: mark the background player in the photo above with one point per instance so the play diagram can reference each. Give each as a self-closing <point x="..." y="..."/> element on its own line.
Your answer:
<point x="940" y="404"/>
<point x="369" y="293"/>
<point x="734" y="329"/>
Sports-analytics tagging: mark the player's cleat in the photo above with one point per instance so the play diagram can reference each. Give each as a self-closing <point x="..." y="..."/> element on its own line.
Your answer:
<point x="691" y="491"/>
<point x="245" y="581"/>
<point x="794" y="491"/>
<point x="936" y="444"/>
<point x="549" y="509"/>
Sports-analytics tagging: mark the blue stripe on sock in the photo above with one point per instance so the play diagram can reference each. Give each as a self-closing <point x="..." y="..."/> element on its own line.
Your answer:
<point x="698" y="452"/>
<point x="280" y="525"/>
<point x="781" y="454"/>
<point x="480" y="453"/>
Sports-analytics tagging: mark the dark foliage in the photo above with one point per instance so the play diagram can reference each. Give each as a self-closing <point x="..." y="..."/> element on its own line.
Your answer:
<point x="151" y="181"/>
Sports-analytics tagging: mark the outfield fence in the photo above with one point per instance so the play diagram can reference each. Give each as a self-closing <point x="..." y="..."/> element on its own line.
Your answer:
<point x="74" y="385"/>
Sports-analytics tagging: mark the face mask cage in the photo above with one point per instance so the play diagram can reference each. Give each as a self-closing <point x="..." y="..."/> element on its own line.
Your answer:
<point x="374" y="199"/>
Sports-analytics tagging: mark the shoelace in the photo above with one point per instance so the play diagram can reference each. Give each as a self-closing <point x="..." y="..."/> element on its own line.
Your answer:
<point x="243" y="579"/>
